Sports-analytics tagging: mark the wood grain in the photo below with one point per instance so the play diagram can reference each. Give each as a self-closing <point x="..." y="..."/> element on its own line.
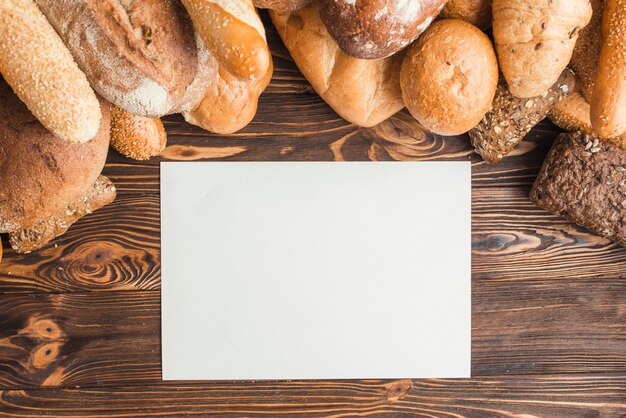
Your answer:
<point x="502" y="396"/>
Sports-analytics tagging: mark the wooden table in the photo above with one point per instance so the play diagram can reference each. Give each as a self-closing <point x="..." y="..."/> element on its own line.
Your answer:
<point x="79" y="320"/>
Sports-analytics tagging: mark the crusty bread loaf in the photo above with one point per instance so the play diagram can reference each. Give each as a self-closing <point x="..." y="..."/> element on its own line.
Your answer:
<point x="229" y="104"/>
<point x="135" y="136"/>
<point x="535" y="39"/>
<point x="587" y="50"/>
<point x="449" y="77"/>
<point x="374" y="29"/>
<point x="364" y="92"/>
<point x="234" y="33"/>
<point x="476" y="12"/>
<point x="140" y="56"/>
<point x="281" y="6"/>
<point x="39" y="174"/>
<point x="42" y="72"/>
<point x="608" y="101"/>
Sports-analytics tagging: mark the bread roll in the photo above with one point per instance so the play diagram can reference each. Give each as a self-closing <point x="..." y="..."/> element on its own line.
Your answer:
<point x="364" y="92"/>
<point x="449" y="77"/>
<point x="40" y="175"/>
<point x="281" y="6"/>
<point x="587" y="50"/>
<point x="535" y="39"/>
<point x="135" y="136"/>
<point x="234" y="33"/>
<point x="374" y="29"/>
<point x="42" y="72"/>
<point x="141" y="56"/>
<point x="476" y="12"/>
<point x="229" y="104"/>
<point x="608" y="102"/>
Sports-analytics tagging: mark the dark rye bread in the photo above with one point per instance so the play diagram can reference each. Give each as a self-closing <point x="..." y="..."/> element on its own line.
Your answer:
<point x="141" y="56"/>
<point x="374" y="29"/>
<point x="39" y="173"/>
<point x="584" y="180"/>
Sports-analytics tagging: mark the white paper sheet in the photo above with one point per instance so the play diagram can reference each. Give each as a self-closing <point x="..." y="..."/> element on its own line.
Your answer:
<point x="315" y="270"/>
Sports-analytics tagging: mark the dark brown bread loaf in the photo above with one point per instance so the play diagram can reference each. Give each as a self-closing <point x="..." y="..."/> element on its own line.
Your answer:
<point x="584" y="180"/>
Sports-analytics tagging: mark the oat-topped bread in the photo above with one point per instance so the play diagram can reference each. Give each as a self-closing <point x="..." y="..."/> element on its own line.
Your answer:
<point x="584" y="180"/>
<point x="373" y="29"/>
<point x="142" y="56"/>
<point x="46" y="182"/>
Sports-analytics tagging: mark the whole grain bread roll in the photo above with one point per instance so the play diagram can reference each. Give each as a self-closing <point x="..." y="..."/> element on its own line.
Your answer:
<point x="281" y="6"/>
<point x="141" y="56"/>
<point x="42" y="72"/>
<point x="375" y="29"/>
<point x="449" y="77"/>
<point x="40" y="175"/>
<point x="363" y="92"/>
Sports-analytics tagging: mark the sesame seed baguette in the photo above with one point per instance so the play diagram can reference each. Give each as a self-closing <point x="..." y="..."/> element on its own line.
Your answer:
<point x="135" y="136"/>
<point x="234" y="33"/>
<point x="40" y="69"/>
<point x="608" y="102"/>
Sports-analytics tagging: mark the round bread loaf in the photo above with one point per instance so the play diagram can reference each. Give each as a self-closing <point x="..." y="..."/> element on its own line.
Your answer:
<point x="140" y="56"/>
<point x="449" y="77"/>
<point x="374" y="29"/>
<point x="476" y="12"/>
<point x="281" y="5"/>
<point x="40" y="174"/>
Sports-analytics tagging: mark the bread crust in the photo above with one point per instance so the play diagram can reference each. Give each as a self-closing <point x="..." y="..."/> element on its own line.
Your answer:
<point x="281" y="6"/>
<point x="449" y="77"/>
<point x="363" y="92"/>
<point x="586" y="53"/>
<point x="135" y="136"/>
<point x="140" y="57"/>
<point x="476" y="12"/>
<point x="375" y="29"/>
<point x="42" y="72"/>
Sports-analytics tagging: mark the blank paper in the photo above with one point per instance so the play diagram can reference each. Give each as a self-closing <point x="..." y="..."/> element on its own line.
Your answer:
<point x="315" y="270"/>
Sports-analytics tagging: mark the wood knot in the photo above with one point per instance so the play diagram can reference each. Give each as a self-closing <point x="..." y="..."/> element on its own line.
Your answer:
<point x="42" y="329"/>
<point x="397" y="390"/>
<point x="45" y="354"/>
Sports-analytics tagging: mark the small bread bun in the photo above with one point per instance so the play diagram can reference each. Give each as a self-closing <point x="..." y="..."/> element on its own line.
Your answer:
<point x="43" y="74"/>
<point x="135" y="136"/>
<point x="476" y="12"/>
<point x="281" y="6"/>
<point x="449" y="77"/>
<point x="374" y="29"/>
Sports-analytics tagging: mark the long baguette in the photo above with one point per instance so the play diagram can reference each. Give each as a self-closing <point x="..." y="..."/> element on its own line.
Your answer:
<point x="43" y="74"/>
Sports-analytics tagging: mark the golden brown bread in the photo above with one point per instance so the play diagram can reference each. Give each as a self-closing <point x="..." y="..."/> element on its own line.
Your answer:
<point x="135" y="136"/>
<point x="608" y="102"/>
<point x="535" y="39"/>
<point x="476" y="12"/>
<point x="281" y="6"/>
<point x="364" y="92"/>
<point x="42" y="72"/>
<point x="449" y="77"/>
<point x="374" y="29"/>
<point x="587" y="50"/>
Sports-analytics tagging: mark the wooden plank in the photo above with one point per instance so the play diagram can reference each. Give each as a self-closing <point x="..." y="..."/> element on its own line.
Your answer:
<point x="555" y="396"/>
<point x="113" y="338"/>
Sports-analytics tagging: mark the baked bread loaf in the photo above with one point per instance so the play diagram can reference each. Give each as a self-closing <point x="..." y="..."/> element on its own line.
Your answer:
<point x="42" y="72"/>
<point x="364" y="92"/>
<point x="476" y="12"/>
<point x="584" y="180"/>
<point x="229" y="104"/>
<point x="140" y="56"/>
<point x="281" y="6"/>
<point x="608" y="101"/>
<point x="41" y="176"/>
<point x="511" y="118"/>
<point x="135" y="136"/>
<point x="587" y="50"/>
<point x="449" y="77"/>
<point x="234" y="33"/>
<point x="535" y="39"/>
<point x="374" y="29"/>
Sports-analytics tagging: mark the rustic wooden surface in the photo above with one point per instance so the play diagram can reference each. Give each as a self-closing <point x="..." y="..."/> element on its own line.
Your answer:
<point x="79" y="320"/>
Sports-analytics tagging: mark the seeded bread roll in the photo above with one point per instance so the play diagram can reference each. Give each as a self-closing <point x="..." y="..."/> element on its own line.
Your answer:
<point x="511" y="118"/>
<point x="587" y="50"/>
<point x="449" y="77"/>
<point x="584" y="180"/>
<point x="42" y="72"/>
<point x="364" y="92"/>
<point x="281" y="6"/>
<point x="40" y="176"/>
<point x="135" y="136"/>
<point x="141" y="56"/>
<point x="476" y="12"/>
<point x="608" y="101"/>
<point x="375" y="29"/>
